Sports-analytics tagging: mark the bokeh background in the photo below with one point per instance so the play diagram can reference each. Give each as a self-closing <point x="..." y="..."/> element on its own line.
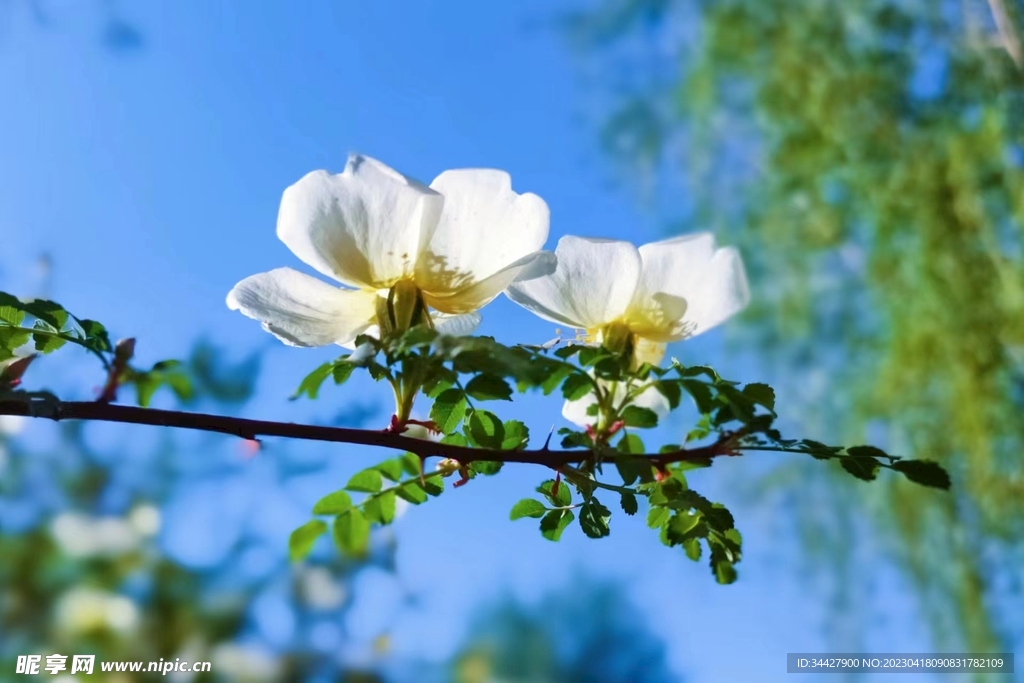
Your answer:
<point x="865" y="155"/>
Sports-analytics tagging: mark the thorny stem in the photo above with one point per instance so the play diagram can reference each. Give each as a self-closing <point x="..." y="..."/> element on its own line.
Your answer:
<point x="29" y="406"/>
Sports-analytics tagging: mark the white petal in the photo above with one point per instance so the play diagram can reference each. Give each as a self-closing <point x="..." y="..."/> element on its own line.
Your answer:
<point x="576" y="411"/>
<point x="364" y="227"/>
<point x="483" y="292"/>
<point x="651" y="398"/>
<point x="687" y="287"/>
<point x="592" y="285"/>
<point x="485" y="229"/>
<point x="301" y="310"/>
<point x="456" y="325"/>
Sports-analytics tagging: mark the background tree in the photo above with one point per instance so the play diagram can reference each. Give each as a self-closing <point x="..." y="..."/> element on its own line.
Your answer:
<point x="867" y="156"/>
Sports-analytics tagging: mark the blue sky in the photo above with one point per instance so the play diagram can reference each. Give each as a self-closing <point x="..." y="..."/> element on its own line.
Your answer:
<point x="152" y="179"/>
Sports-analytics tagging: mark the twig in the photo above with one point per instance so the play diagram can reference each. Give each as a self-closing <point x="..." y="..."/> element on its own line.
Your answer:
<point x="251" y="429"/>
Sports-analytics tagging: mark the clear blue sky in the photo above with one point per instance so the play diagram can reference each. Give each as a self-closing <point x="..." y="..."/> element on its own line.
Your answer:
<point x="153" y="177"/>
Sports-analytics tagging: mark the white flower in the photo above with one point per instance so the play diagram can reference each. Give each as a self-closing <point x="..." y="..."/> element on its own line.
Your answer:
<point x="662" y="292"/>
<point x="84" y="609"/>
<point x="453" y="246"/>
<point x="651" y="398"/>
<point x="637" y="300"/>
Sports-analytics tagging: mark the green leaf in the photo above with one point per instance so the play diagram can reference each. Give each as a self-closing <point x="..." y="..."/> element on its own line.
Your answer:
<point x="12" y="338"/>
<point x="486" y="430"/>
<point x="366" y="481"/>
<point x="47" y="343"/>
<point x="49" y="312"/>
<point x="527" y="507"/>
<point x="433" y="485"/>
<point x="411" y="463"/>
<point x="554" y="378"/>
<point x="11" y="309"/>
<point x="671" y="391"/>
<point x="761" y="394"/>
<point x="554" y="523"/>
<point x="860" y="467"/>
<point x="568" y="351"/>
<point x="657" y="517"/>
<point x="561" y="498"/>
<point x="576" y="386"/>
<point x="516" y="435"/>
<point x="924" y="472"/>
<point x="392" y="469"/>
<point x="701" y="394"/>
<point x="629" y="504"/>
<point x="489" y="388"/>
<point x="448" y="410"/>
<point x="867" y="452"/>
<point x="310" y="385"/>
<point x="691" y="547"/>
<point x="333" y="504"/>
<point x="301" y="541"/>
<point x="487" y="468"/>
<point x="683" y="523"/>
<point x="412" y="493"/>
<point x="96" y="335"/>
<point x="594" y="519"/>
<point x="640" y="418"/>
<point x="381" y="508"/>
<point x="352" y="532"/>
<point x="341" y="371"/>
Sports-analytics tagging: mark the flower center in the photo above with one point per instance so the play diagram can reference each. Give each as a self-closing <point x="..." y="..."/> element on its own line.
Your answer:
<point x="401" y="309"/>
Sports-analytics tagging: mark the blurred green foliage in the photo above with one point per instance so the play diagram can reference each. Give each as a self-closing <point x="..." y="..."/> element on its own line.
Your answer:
<point x="588" y="633"/>
<point x="867" y="156"/>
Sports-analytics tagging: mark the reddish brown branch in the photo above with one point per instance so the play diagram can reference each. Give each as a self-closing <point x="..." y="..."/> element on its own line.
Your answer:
<point x="252" y="429"/>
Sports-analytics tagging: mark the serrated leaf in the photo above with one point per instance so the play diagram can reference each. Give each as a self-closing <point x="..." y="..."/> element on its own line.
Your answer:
<point x="594" y="519"/>
<point x="11" y="309"/>
<point x="863" y="468"/>
<point x="628" y="503"/>
<point x="392" y="469"/>
<point x="366" y="481"/>
<point x="352" y="532"/>
<point x="639" y="418"/>
<point x="691" y="547"/>
<point x="554" y="523"/>
<point x="96" y="336"/>
<point x="311" y="383"/>
<point x="562" y="496"/>
<point x="489" y="388"/>
<point x="341" y="371"/>
<point x="487" y="468"/>
<point x="568" y="351"/>
<point x="449" y="409"/>
<point x="924" y="472"/>
<point x="516" y="435"/>
<point x="381" y="508"/>
<point x="701" y="394"/>
<point x="412" y="493"/>
<point x="671" y="391"/>
<point x="682" y="523"/>
<point x="527" y="507"/>
<point x="485" y="429"/>
<point x="300" y="542"/>
<point x="867" y="452"/>
<point x="49" y="312"/>
<point x="761" y="394"/>
<point x="47" y="343"/>
<point x="333" y="504"/>
<point x="576" y="386"/>
<point x="12" y="338"/>
<point x="657" y="517"/>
